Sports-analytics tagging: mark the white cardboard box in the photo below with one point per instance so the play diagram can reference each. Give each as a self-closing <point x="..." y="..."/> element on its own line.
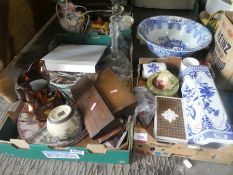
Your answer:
<point x="74" y="58"/>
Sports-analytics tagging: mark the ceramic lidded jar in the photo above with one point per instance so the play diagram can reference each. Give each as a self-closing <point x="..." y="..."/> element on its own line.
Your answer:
<point x="63" y="122"/>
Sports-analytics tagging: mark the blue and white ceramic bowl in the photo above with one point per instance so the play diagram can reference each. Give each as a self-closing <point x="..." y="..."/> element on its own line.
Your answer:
<point x="173" y="35"/>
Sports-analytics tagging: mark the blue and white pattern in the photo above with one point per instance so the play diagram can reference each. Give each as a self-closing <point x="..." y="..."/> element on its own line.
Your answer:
<point x="173" y="35"/>
<point x="206" y="117"/>
<point x="175" y="44"/>
<point x="152" y="68"/>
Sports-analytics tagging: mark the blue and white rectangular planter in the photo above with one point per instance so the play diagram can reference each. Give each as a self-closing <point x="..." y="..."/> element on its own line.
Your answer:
<point x="207" y="121"/>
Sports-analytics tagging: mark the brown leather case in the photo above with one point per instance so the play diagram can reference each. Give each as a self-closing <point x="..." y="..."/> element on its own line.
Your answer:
<point x="116" y="95"/>
<point x="97" y="117"/>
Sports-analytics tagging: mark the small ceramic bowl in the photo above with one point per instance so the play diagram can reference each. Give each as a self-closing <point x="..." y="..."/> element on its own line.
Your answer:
<point x="188" y="61"/>
<point x="174" y="36"/>
<point x="63" y="122"/>
<point x="171" y="91"/>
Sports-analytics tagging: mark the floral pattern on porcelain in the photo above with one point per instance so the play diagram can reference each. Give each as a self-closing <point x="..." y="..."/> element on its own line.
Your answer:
<point x="152" y="68"/>
<point x="183" y="36"/>
<point x="176" y="45"/>
<point x="207" y="120"/>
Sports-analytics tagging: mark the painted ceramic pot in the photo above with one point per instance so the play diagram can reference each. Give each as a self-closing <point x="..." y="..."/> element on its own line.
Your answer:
<point x="207" y="121"/>
<point x="173" y="35"/>
<point x="70" y="18"/>
<point x="33" y="131"/>
<point x="63" y="122"/>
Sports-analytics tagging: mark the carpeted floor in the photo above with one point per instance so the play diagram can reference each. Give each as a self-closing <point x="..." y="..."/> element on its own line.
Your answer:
<point x="143" y="165"/>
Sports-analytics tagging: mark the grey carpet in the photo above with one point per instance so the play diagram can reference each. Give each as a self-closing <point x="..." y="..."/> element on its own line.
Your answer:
<point x="143" y="165"/>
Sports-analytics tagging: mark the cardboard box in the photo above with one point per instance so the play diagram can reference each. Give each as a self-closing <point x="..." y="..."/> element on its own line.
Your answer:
<point x="145" y="143"/>
<point x="91" y="38"/>
<point x="87" y="150"/>
<point x="221" y="56"/>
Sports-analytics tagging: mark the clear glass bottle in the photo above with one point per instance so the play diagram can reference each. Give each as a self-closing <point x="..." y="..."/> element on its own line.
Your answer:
<point x="117" y="60"/>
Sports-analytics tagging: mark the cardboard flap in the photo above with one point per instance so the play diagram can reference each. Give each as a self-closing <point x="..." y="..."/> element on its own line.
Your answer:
<point x="96" y="148"/>
<point x="170" y="61"/>
<point x="196" y="152"/>
<point x="20" y="144"/>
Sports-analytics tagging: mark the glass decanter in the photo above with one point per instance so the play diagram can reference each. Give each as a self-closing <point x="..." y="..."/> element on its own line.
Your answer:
<point x="117" y="60"/>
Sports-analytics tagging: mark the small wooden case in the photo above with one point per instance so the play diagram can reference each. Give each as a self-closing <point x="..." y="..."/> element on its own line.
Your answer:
<point x="97" y="117"/>
<point x="116" y="95"/>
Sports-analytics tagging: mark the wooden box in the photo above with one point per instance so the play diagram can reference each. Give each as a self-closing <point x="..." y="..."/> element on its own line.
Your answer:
<point x="98" y="119"/>
<point x="115" y="93"/>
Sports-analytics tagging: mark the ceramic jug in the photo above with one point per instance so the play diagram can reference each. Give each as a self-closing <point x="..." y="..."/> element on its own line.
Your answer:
<point x="34" y="88"/>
